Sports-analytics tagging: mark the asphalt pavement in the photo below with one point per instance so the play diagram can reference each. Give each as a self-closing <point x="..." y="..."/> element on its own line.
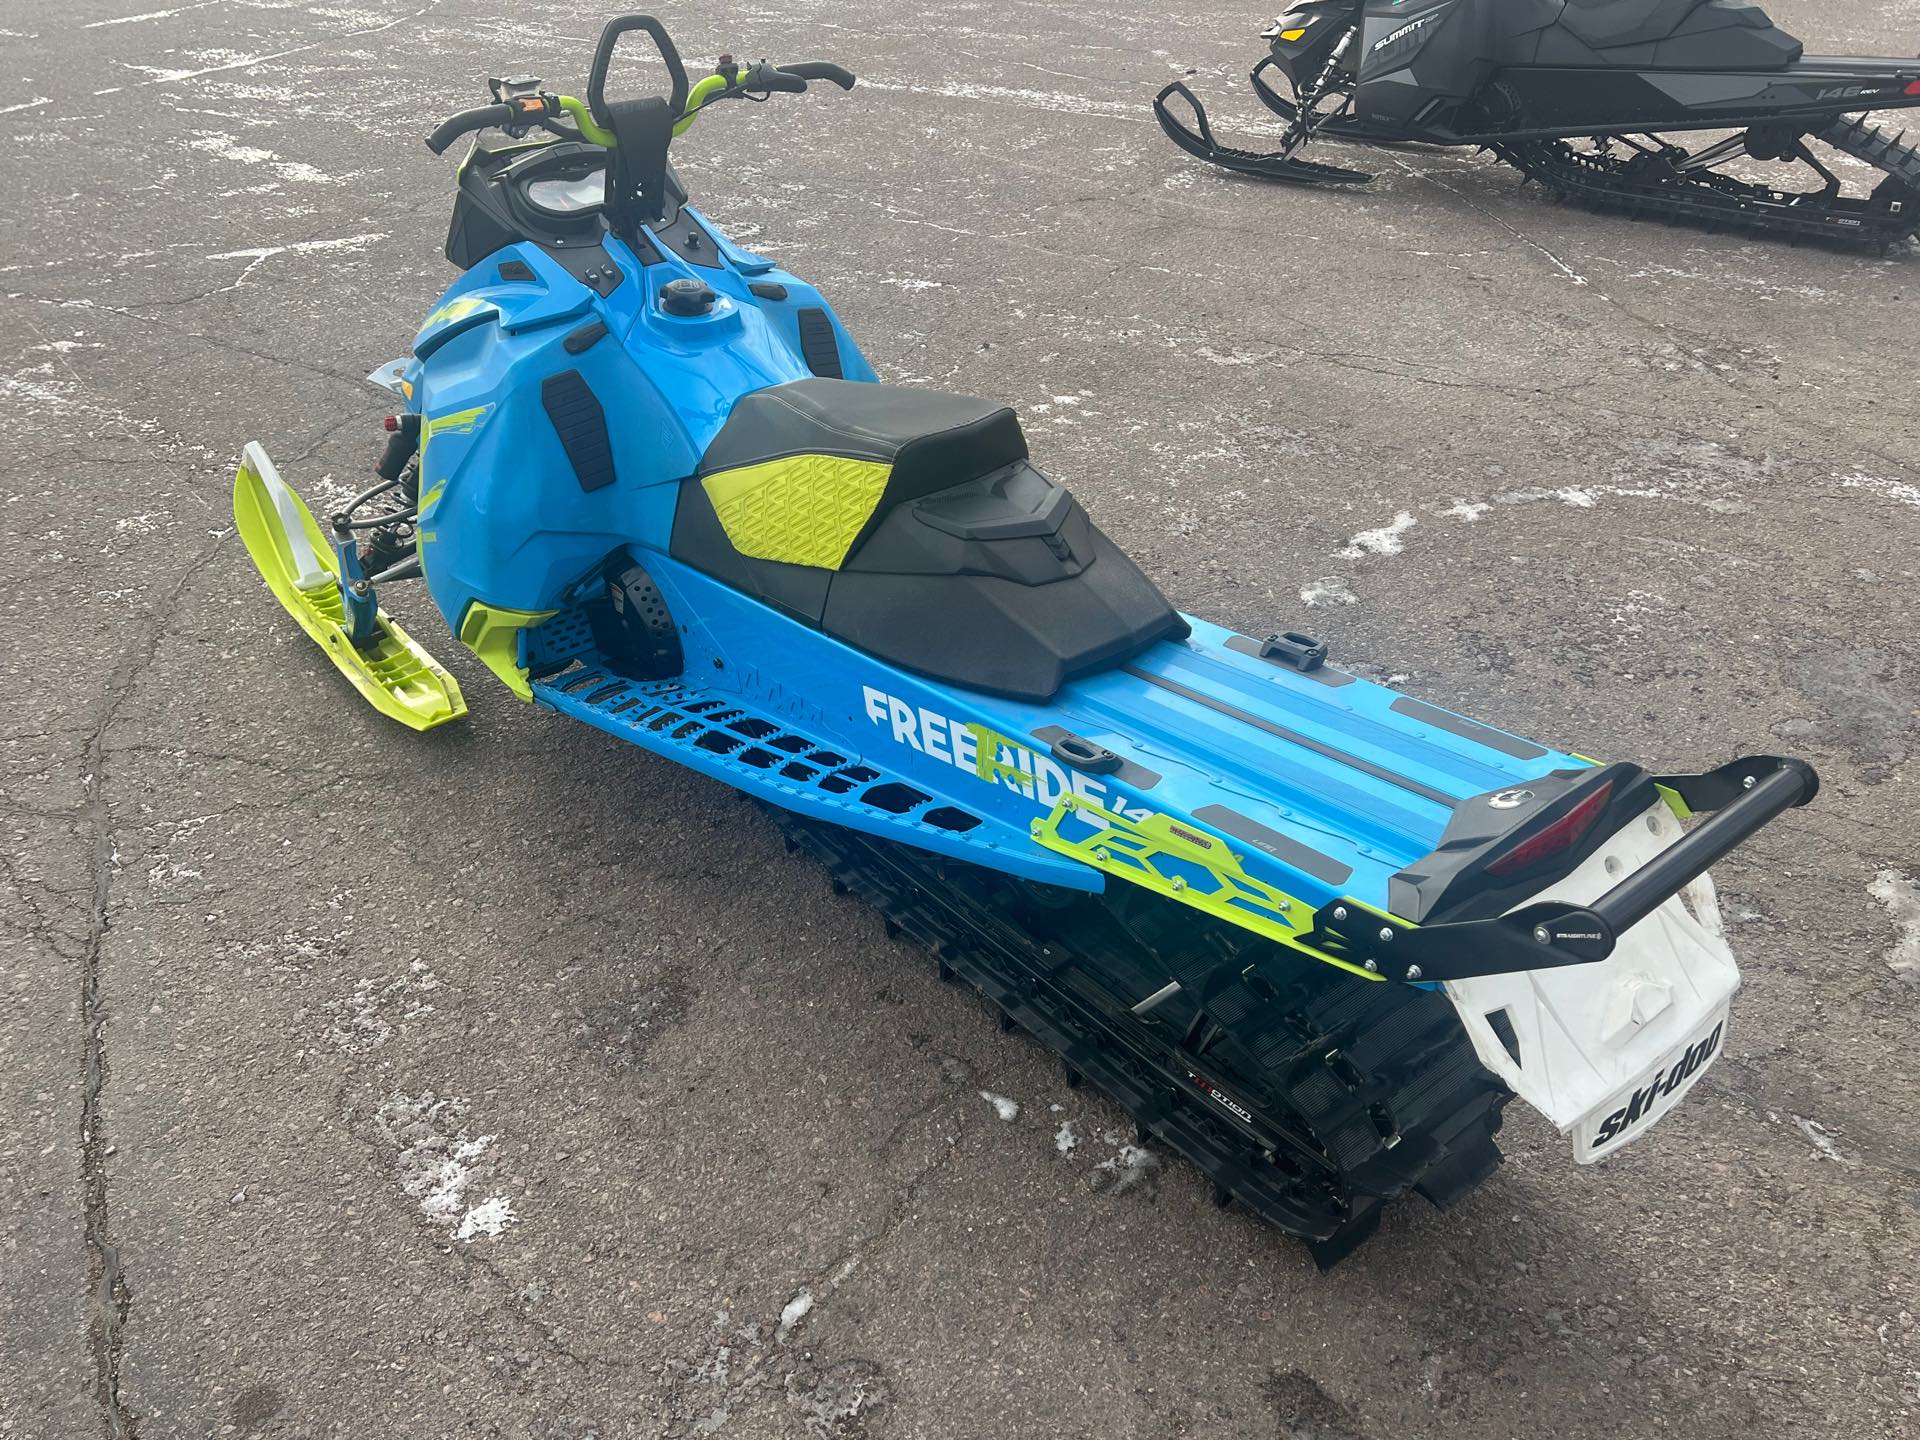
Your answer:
<point x="507" y="1081"/>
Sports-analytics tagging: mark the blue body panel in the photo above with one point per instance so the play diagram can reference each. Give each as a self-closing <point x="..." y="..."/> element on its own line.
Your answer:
<point x="502" y="518"/>
<point x="1340" y="788"/>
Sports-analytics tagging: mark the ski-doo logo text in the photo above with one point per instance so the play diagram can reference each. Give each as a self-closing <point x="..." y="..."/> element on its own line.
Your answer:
<point x="1026" y="772"/>
<point x="1663" y="1084"/>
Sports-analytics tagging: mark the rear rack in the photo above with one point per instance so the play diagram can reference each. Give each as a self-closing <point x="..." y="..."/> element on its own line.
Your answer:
<point x="1742" y="797"/>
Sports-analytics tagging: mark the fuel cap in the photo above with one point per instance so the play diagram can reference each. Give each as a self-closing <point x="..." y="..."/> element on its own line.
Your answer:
<point x="687" y="297"/>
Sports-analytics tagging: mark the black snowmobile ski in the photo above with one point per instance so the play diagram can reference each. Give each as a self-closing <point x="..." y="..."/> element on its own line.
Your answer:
<point x="1528" y="79"/>
<point x="1311" y="1097"/>
<point x="1198" y="140"/>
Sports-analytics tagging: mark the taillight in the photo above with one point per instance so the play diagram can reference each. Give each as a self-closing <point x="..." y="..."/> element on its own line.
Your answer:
<point x="1562" y="835"/>
<point x="1914" y="88"/>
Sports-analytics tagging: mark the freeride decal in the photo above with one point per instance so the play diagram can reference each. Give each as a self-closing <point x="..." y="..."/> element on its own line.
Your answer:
<point x="986" y="755"/>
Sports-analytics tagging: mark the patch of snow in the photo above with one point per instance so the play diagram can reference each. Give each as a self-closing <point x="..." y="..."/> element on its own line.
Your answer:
<point x="1468" y="511"/>
<point x="1822" y="1141"/>
<point x="834" y="1403"/>
<point x="149" y="15"/>
<point x="1889" y="489"/>
<point x="900" y="283"/>
<point x="1901" y="895"/>
<point x="362" y="1022"/>
<point x="222" y="145"/>
<point x="33" y="104"/>
<point x="1328" y="590"/>
<point x="1129" y="1168"/>
<point x="489" y="1217"/>
<point x="1384" y="541"/>
<point x="1064" y="1139"/>
<point x="1236" y="357"/>
<point x="1003" y="1107"/>
<point x="437" y="1161"/>
<point x="796" y="1310"/>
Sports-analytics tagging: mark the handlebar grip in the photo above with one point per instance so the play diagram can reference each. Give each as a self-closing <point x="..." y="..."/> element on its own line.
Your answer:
<point x="468" y="120"/>
<point x="822" y="70"/>
<point x="772" y="78"/>
<point x="603" y="58"/>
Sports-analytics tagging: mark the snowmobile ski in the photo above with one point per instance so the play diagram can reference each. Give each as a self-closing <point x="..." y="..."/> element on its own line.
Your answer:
<point x="1312" y="933"/>
<point x="1198" y="140"/>
<point x="395" y="674"/>
<point x="1584" y="97"/>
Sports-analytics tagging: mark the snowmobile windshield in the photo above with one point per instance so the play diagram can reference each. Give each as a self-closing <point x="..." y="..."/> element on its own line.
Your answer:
<point x="570" y="195"/>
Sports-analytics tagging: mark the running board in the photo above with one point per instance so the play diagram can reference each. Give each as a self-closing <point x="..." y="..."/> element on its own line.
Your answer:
<point x="395" y="675"/>
<point x="772" y="759"/>
<point x="1198" y="141"/>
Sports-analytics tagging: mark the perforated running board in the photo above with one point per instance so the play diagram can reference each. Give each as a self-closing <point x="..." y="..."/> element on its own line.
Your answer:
<point x="768" y="758"/>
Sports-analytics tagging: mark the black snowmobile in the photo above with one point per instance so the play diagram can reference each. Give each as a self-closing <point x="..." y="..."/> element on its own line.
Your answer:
<point x="1579" y="95"/>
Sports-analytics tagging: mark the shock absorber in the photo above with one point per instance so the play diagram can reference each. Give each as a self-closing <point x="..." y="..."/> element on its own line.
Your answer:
<point x="1303" y="126"/>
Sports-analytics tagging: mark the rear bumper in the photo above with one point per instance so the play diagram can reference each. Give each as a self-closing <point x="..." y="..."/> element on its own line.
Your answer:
<point x="1555" y="930"/>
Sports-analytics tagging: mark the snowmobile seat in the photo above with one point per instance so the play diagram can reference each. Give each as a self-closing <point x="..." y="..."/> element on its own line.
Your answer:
<point x="1682" y="34"/>
<point x="913" y="525"/>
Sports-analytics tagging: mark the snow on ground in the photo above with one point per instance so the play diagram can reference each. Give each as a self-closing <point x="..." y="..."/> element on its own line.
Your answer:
<point x="1326" y="591"/>
<point x="1901" y="895"/>
<point x="1128" y="1169"/>
<point x="1889" y="489"/>
<point x="1822" y="1140"/>
<point x="437" y="1161"/>
<point x="1384" y="541"/>
<point x="364" y="1021"/>
<point x="1003" y="1107"/>
<point x="796" y="1310"/>
<point x="1064" y="1138"/>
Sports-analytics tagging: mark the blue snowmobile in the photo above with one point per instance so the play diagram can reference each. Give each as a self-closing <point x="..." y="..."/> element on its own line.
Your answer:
<point x="1312" y="933"/>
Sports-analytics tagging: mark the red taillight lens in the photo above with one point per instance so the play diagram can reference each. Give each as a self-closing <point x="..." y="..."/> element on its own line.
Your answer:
<point x="1562" y="835"/>
<point x="1914" y="88"/>
<point x="390" y="424"/>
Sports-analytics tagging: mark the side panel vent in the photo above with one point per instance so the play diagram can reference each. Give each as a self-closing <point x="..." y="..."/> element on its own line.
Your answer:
<point x="819" y="346"/>
<point x="582" y="427"/>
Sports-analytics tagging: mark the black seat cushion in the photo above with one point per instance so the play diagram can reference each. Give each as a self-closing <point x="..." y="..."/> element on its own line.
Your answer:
<point x="1680" y="34"/>
<point x="931" y="439"/>
<point x="912" y="525"/>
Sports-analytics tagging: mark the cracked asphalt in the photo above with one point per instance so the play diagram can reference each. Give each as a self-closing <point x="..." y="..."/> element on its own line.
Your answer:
<point x="508" y="1082"/>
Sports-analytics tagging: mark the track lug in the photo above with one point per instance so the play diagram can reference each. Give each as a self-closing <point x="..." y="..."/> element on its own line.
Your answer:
<point x="947" y="977"/>
<point x="1222" y="1197"/>
<point x="892" y="930"/>
<point x="1074" y="1078"/>
<point x="1007" y="1023"/>
<point x="1141" y="1134"/>
<point x="839" y="885"/>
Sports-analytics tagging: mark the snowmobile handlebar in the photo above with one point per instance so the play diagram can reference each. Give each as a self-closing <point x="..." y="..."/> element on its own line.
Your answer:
<point x="822" y="70"/>
<point x="594" y="118"/>
<point x="525" y="111"/>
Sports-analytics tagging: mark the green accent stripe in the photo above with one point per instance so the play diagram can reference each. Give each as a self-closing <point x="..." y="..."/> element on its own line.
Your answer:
<point x="1192" y="866"/>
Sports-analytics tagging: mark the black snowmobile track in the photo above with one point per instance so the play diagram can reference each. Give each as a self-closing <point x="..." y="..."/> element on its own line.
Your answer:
<point x="1641" y="186"/>
<point x="1310" y="1096"/>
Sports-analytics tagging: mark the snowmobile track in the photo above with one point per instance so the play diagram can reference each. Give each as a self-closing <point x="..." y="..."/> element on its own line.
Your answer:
<point x="1605" y="182"/>
<point x="1311" y="1097"/>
